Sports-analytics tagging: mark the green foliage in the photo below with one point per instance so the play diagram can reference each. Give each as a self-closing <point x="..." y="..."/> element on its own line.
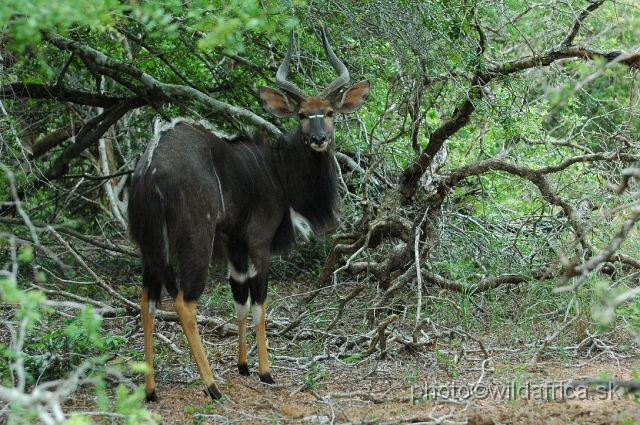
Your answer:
<point x="200" y="412"/>
<point x="450" y="361"/>
<point x="303" y="262"/>
<point x="41" y="351"/>
<point x="314" y="376"/>
<point x="30" y="19"/>
<point x="223" y="22"/>
<point x="55" y="352"/>
<point x="420" y="57"/>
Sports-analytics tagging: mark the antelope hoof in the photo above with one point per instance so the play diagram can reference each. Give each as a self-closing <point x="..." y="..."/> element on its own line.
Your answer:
<point x="213" y="391"/>
<point x="267" y="379"/>
<point x="151" y="396"/>
<point x="243" y="369"/>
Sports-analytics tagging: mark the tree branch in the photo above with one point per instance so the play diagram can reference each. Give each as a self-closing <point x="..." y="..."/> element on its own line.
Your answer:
<point x="534" y="176"/>
<point x="461" y="117"/>
<point x="70" y="232"/>
<point x="20" y="90"/>
<point x="171" y="91"/>
<point x="89" y="134"/>
<point x="578" y="22"/>
<point x="564" y="52"/>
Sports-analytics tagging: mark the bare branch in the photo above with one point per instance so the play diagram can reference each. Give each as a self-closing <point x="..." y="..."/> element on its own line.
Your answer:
<point x="607" y="254"/>
<point x="89" y="135"/>
<point x="20" y="90"/>
<point x="70" y="232"/>
<point x="171" y="91"/>
<point x="578" y="23"/>
<point x="461" y="116"/>
<point x="534" y="176"/>
<point x="380" y="337"/>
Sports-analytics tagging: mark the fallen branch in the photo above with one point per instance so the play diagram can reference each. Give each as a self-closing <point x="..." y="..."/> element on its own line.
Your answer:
<point x="77" y="235"/>
<point x="380" y="336"/>
<point x="536" y="356"/>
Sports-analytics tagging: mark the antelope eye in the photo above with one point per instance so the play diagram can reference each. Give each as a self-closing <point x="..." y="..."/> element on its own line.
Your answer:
<point x="302" y="116"/>
<point x="329" y="113"/>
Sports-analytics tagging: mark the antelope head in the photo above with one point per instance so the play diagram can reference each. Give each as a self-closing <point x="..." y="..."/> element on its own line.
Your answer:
<point x="315" y="114"/>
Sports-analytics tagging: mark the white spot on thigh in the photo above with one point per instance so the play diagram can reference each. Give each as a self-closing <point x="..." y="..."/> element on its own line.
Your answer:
<point x="242" y="310"/>
<point x="253" y="272"/>
<point x="257" y="314"/>
<point x="154" y="171"/>
<point x="236" y="275"/>
<point x="264" y="163"/>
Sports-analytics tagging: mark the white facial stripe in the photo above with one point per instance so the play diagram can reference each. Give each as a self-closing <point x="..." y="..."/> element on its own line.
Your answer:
<point x="316" y="116"/>
<point x="257" y="314"/>
<point x="242" y="310"/>
<point x="236" y="275"/>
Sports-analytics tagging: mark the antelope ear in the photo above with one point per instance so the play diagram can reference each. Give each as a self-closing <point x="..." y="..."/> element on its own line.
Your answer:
<point x="352" y="99"/>
<point x="277" y="104"/>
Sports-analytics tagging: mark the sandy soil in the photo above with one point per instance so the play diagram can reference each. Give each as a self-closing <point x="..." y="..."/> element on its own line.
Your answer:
<point x="451" y="380"/>
<point x="403" y="388"/>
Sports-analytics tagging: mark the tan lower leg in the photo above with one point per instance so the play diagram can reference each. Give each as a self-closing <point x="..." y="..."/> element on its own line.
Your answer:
<point x="242" y="341"/>
<point x="147" y="329"/>
<point x="259" y="311"/>
<point x="187" y="316"/>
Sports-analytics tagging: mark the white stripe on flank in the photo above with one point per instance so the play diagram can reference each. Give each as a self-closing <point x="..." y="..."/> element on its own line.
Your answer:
<point x="255" y="159"/>
<point x="246" y="162"/>
<point x="165" y="237"/>
<point x="224" y="210"/>
<point x="265" y="166"/>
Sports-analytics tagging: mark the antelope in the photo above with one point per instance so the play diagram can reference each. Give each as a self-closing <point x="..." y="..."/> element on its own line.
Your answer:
<point x="199" y="197"/>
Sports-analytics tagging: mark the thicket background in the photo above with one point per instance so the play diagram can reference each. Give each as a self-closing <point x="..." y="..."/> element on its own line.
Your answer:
<point x="479" y="182"/>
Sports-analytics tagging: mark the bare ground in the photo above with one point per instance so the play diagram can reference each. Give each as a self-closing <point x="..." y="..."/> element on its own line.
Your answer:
<point x="485" y="379"/>
<point x="376" y="392"/>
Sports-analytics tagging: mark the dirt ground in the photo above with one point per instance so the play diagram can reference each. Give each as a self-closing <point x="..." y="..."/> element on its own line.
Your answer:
<point x="367" y="394"/>
<point x="403" y="388"/>
<point x="321" y="378"/>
